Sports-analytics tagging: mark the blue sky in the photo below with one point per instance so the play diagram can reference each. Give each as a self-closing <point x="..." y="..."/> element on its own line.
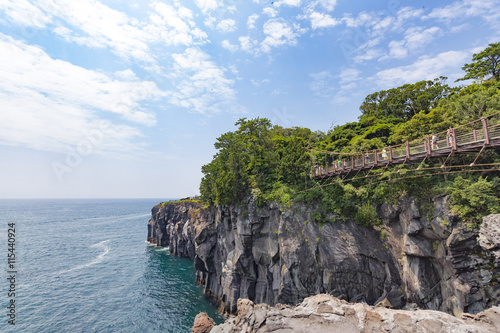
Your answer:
<point x="126" y="98"/>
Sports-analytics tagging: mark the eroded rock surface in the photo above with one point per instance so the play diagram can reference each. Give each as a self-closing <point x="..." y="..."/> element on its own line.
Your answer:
<point x="325" y="313"/>
<point x="272" y="256"/>
<point x="202" y="323"/>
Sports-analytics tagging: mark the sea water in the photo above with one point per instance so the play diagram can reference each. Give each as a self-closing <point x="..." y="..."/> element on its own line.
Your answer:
<point x="84" y="266"/>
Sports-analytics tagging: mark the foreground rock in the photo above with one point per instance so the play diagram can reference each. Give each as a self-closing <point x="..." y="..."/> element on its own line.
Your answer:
<point x="273" y="256"/>
<point x="325" y="313"/>
<point x="202" y="323"/>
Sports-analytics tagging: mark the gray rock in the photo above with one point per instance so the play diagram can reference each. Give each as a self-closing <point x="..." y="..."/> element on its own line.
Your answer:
<point x="273" y="256"/>
<point x="325" y="313"/>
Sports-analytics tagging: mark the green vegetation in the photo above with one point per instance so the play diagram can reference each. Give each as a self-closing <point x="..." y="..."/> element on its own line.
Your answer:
<point x="485" y="63"/>
<point x="473" y="199"/>
<point x="271" y="163"/>
<point x="178" y="202"/>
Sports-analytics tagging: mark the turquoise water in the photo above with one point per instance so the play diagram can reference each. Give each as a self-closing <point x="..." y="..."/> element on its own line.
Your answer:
<point x="84" y="266"/>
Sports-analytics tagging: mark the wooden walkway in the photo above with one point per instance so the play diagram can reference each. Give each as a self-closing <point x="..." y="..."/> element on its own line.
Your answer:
<point x="475" y="136"/>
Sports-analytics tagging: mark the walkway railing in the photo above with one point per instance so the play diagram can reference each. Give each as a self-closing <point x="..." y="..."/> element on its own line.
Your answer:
<point x="473" y="136"/>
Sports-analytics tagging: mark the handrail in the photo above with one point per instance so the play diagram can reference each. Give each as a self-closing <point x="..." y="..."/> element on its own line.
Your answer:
<point x="483" y="130"/>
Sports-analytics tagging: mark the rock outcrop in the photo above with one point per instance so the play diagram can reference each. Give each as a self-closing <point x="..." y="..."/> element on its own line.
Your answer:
<point x="202" y="323"/>
<point x="325" y="313"/>
<point x="273" y="256"/>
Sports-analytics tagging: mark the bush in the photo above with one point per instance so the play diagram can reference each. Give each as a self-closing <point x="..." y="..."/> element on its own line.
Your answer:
<point x="473" y="199"/>
<point x="367" y="215"/>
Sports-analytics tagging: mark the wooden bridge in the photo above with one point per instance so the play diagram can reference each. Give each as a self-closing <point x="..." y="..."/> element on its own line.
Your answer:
<point x="475" y="136"/>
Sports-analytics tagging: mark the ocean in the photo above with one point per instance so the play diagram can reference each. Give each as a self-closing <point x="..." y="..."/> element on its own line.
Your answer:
<point x="85" y="266"/>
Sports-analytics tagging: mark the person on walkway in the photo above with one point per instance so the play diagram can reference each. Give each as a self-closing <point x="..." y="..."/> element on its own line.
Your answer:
<point x="449" y="135"/>
<point x="434" y="141"/>
<point x="384" y="154"/>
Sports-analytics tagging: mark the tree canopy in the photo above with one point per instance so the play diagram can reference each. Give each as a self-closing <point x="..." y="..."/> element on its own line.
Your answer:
<point x="270" y="163"/>
<point x="405" y="101"/>
<point x="485" y="64"/>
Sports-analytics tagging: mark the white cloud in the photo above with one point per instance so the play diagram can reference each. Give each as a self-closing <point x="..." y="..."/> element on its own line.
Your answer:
<point x="258" y="83"/>
<point x="348" y="75"/>
<point x="368" y="54"/>
<point x="291" y="3"/>
<point x="93" y="24"/>
<point x="207" y="5"/>
<point x="397" y="49"/>
<point x="319" y="20"/>
<point x="372" y="29"/>
<point x="487" y="10"/>
<point x="269" y="11"/>
<point x="425" y="68"/>
<point x="61" y="102"/>
<point x="227" y="45"/>
<point x="25" y="13"/>
<point x="329" y="5"/>
<point x="227" y="25"/>
<point x="461" y="9"/>
<point x="278" y="33"/>
<point x="210" y="22"/>
<point x="322" y="84"/>
<point x="248" y="44"/>
<point x="415" y="38"/>
<point x="251" y="21"/>
<point x="202" y="85"/>
<point x="362" y="19"/>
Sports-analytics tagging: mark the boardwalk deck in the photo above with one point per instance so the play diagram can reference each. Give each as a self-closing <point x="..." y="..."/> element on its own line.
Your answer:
<point x="475" y="136"/>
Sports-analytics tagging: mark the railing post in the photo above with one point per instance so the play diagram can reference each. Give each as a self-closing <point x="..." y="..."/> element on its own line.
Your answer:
<point x="428" y="147"/>
<point x="407" y="144"/>
<point x="375" y="159"/>
<point x="454" y="139"/>
<point x="363" y="158"/>
<point x="390" y="154"/>
<point x="343" y="165"/>
<point x="352" y="162"/>
<point x="486" y="133"/>
<point x="474" y="132"/>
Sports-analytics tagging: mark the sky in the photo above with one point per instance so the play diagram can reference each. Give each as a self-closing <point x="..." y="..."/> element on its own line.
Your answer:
<point x="125" y="99"/>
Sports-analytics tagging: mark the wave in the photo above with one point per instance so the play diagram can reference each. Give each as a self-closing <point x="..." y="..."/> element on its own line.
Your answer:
<point x="162" y="249"/>
<point x="96" y="260"/>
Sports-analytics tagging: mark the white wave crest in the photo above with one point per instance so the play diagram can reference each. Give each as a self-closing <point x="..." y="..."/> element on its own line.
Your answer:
<point x="104" y="246"/>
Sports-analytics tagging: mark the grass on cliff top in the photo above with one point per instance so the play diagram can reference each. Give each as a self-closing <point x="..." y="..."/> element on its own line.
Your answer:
<point x="180" y="201"/>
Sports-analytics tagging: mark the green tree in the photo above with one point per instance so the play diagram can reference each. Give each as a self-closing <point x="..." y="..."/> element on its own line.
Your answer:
<point x="485" y="64"/>
<point x="405" y="101"/>
<point x="474" y="199"/>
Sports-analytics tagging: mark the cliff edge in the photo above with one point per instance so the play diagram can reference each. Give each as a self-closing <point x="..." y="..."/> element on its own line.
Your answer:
<point x="269" y="255"/>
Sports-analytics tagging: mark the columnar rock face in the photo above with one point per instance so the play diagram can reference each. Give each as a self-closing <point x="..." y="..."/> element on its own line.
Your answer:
<point x="272" y="256"/>
<point x="325" y="313"/>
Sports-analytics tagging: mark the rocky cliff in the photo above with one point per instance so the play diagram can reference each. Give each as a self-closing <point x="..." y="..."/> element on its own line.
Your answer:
<point x="325" y="313"/>
<point x="269" y="255"/>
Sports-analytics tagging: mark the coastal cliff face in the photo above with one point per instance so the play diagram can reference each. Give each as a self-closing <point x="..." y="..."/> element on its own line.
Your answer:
<point x="272" y="256"/>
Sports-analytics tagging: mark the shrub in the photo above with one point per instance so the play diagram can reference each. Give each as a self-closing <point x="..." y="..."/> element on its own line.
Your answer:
<point x="473" y="199"/>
